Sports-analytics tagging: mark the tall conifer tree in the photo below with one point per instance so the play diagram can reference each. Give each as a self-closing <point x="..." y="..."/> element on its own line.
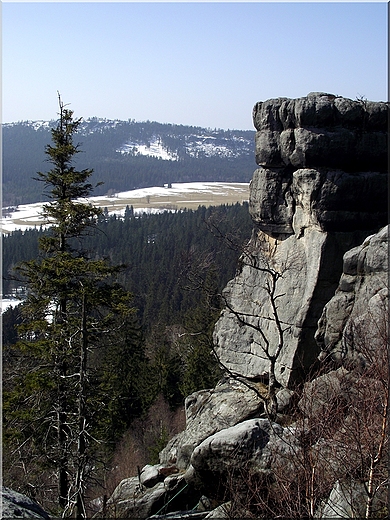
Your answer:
<point x="73" y="304"/>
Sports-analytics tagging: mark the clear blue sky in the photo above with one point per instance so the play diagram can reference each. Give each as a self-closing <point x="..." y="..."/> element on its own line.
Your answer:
<point x="203" y="64"/>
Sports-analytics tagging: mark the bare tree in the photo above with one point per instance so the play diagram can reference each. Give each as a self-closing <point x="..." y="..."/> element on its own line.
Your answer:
<point x="335" y="460"/>
<point x="261" y="256"/>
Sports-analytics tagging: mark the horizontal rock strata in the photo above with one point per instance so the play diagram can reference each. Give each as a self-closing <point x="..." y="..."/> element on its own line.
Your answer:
<point x="321" y="130"/>
<point x="321" y="188"/>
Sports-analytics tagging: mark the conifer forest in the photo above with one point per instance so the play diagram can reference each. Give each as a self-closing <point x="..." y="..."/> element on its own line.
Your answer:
<point x="113" y="332"/>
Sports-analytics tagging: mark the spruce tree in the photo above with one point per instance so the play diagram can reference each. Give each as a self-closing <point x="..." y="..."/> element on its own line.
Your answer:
<point x="73" y="304"/>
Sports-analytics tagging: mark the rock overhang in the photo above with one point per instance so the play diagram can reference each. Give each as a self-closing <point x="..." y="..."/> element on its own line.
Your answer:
<point x="320" y="189"/>
<point x="322" y="130"/>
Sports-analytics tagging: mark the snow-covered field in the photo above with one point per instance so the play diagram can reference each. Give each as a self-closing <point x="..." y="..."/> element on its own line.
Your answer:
<point x="147" y="200"/>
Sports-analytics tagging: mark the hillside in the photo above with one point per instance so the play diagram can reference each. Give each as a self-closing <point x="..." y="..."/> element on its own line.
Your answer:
<point x="127" y="155"/>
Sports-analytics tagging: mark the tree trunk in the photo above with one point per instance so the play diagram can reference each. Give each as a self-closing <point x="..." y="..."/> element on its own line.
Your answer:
<point x="63" y="476"/>
<point x="63" y="484"/>
<point x="376" y="460"/>
<point x="272" y="404"/>
<point x="82" y="444"/>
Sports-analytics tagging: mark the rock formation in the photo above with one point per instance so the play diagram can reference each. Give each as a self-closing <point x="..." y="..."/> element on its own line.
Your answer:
<point x="310" y="293"/>
<point x="358" y="303"/>
<point x="208" y="412"/>
<point x="320" y="189"/>
<point x="15" y="505"/>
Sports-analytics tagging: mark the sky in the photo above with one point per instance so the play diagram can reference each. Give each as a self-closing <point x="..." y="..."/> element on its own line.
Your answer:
<point x="201" y="63"/>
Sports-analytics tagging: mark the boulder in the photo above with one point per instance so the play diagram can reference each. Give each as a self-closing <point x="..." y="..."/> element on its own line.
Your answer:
<point x="324" y="390"/>
<point x="207" y="412"/>
<point x="220" y="512"/>
<point x="180" y="515"/>
<point x="285" y="398"/>
<point x="132" y="500"/>
<point x="151" y="475"/>
<point x="143" y="505"/>
<point x="127" y="489"/>
<point x="250" y="446"/>
<point x="346" y="500"/>
<point x="15" y="505"/>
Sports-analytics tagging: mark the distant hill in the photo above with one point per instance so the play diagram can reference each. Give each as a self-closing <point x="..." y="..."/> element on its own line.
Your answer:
<point x="127" y="155"/>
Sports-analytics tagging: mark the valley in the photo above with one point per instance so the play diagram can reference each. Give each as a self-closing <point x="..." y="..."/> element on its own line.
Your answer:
<point x="175" y="197"/>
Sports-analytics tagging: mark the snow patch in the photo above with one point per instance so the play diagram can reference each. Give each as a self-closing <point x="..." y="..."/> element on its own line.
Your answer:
<point x="6" y="303"/>
<point x="153" y="149"/>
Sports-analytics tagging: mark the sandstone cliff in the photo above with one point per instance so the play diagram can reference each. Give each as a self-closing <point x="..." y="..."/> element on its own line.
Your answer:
<point x="320" y="189"/>
<point x="310" y="295"/>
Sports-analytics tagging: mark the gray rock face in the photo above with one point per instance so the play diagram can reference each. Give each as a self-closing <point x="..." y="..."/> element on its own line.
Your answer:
<point x="283" y="202"/>
<point x="359" y="304"/>
<point x="15" y="505"/>
<point x="321" y="189"/>
<point x="309" y="267"/>
<point x="322" y="155"/>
